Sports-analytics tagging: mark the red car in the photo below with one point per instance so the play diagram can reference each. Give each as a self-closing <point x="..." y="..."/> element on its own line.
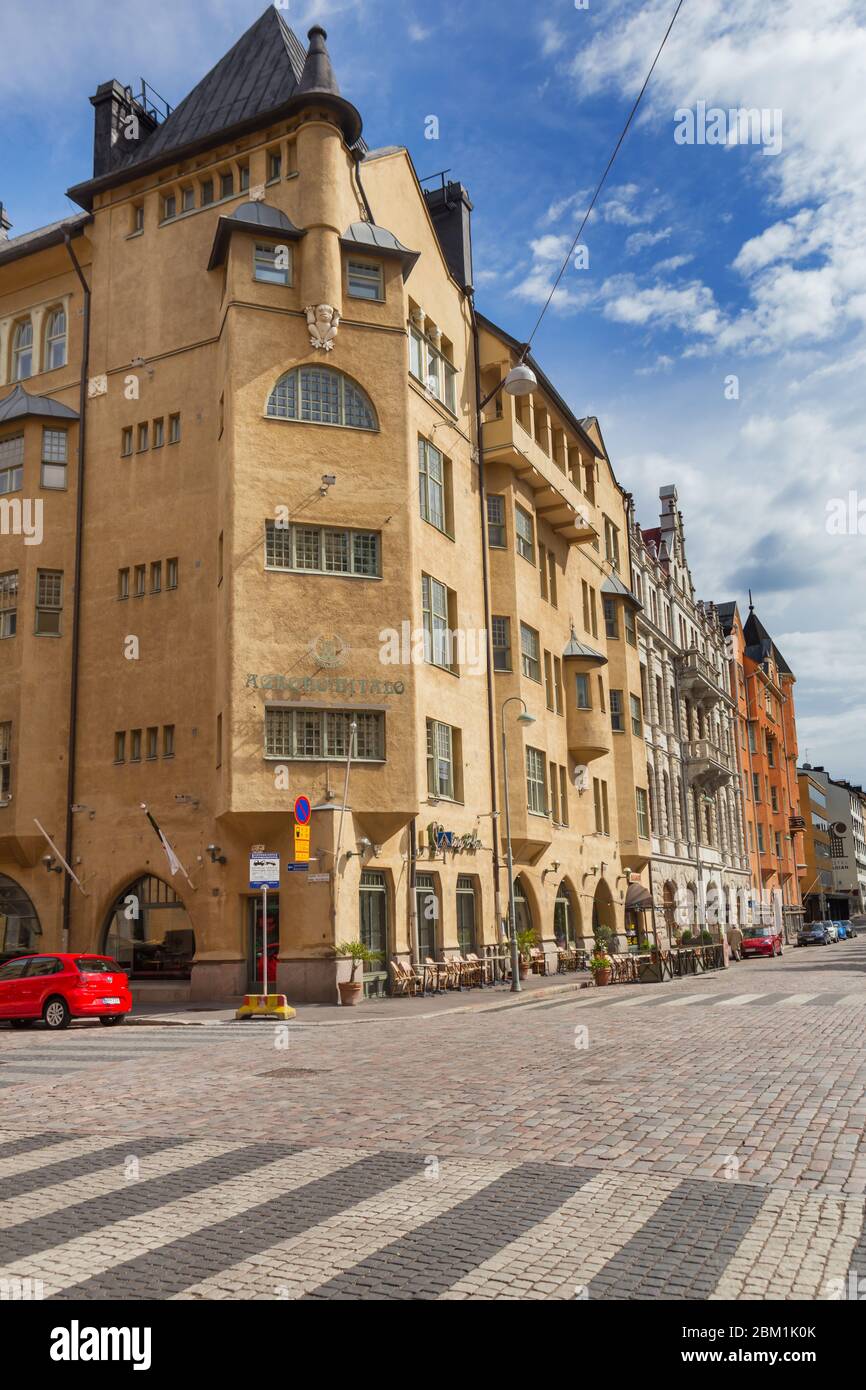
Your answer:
<point x="762" y="941"/>
<point x="60" y="987"/>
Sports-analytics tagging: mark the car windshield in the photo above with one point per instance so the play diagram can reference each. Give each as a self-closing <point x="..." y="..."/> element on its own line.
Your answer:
<point x="98" y="967"/>
<point x="761" y="931"/>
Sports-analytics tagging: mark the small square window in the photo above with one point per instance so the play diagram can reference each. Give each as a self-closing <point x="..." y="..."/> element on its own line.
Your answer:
<point x="272" y="265"/>
<point x="365" y="281"/>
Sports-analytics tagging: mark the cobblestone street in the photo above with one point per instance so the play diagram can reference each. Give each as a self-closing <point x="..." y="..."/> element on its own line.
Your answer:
<point x="701" y="1139"/>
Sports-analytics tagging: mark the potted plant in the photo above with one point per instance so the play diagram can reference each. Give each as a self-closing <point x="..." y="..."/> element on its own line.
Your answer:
<point x="601" y="967"/>
<point x="525" y="943"/>
<point x="357" y="953"/>
<point x="686" y="938"/>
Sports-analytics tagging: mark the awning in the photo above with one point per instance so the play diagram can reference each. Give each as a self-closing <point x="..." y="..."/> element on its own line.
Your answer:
<point x="638" y="898"/>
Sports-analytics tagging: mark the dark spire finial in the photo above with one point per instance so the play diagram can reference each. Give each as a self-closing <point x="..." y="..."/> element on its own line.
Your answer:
<point x="751" y="605"/>
<point x="318" y="75"/>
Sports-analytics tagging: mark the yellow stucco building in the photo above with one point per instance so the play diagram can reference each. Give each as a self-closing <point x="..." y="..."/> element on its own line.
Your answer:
<point x="254" y="546"/>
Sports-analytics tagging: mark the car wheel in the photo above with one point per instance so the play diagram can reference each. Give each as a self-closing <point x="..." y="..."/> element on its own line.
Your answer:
<point x="56" y="1014"/>
<point x="22" y="1022"/>
<point x="112" y="1020"/>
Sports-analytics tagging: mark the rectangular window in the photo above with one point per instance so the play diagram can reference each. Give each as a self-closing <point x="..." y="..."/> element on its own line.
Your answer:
<point x="617" y="717"/>
<point x="440" y="759"/>
<point x="135" y="746"/>
<point x="529" y="653"/>
<point x="120" y="748"/>
<point x="629" y="623"/>
<point x="126" y="442"/>
<point x="323" y="735"/>
<point x="756" y="786"/>
<point x="5" y="760"/>
<point x="243" y="177"/>
<point x="123" y="583"/>
<point x="437" y="632"/>
<point x="557" y="685"/>
<point x="53" y="458"/>
<point x="432" y="484"/>
<point x="525" y="534"/>
<point x="142" y="437"/>
<point x="272" y="265"/>
<point x="156" y="577"/>
<point x="187" y="199"/>
<point x="643" y="826"/>
<point x="536" y="790"/>
<point x="171" y="574"/>
<point x="551" y="577"/>
<point x="321" y="550"/>
<point x="501" y="634"/>
<point x="774" y="798"/>
<point x="169" y="207"/>
<point x="138" y="217"/>
<point x="174" y="429"/>
<point x="365" y="281"/>
<point x="636" y="716"/>
<point x="152" y="743"/>
<point x="219" y="740"/>
<point x="140" y="581"/>
<point x="611" y="543"/>
<point x="761" y="846"/>
<point x="49" y="602"/>
<point x="554" y="793"/>
<point x="227" y="185"/>
<point x="584" y="696"/>
<point x="275" y="166"/>
<point x="542" y="569"/>
<point x="496" y="523"/>
<point x="206" y="192"/>
<point x="598" y="805"/>
<point x="601" y="703"/>
<point x="8" y="603"/>
<point x="158" y="433"/>
<point x="168" y="741"/>
<point x="12" y="463"/>
<point x="429" y="366"/>
<point x="548" y="680"/>
<point x="563" y="795"/>
<point x="611" y="626"/>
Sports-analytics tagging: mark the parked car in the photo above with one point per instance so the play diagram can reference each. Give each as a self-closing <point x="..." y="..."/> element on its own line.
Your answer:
<point x="58" y="988"/>
<point x="762" y="941"/>
<point x="813" y="934"/>
<point x="842" y="930"/>
<point x="832" y="931"/>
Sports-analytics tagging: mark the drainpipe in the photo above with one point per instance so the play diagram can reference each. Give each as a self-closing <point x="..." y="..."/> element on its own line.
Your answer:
<point x="485" y="581"/>
<point x="412" y="904"/>
<point x="369" y="211"/>
<point x="76" y="592"/>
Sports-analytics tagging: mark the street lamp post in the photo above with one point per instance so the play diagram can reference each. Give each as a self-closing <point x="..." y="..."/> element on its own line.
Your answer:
<point x="524" y="718"/>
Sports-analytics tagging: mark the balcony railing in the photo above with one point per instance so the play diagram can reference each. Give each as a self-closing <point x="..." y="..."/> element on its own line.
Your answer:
<point x="557" y="500"/>
<point x="699" y="678"/>
<point x="709" y="765"/>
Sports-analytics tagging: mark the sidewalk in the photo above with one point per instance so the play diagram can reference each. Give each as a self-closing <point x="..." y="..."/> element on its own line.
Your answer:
<point x="208" y="1014"/>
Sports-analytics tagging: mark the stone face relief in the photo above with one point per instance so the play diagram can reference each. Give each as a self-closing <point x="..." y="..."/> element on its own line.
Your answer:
<point x="323" y="322"/>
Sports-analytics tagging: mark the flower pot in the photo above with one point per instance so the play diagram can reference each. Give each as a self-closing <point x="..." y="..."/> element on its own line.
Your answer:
<point x="602" y="977"/>
<point x="525" y="969"/>
<point x="350" y="992"/>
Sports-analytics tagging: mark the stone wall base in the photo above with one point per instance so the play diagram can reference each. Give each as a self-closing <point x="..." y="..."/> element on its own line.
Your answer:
<point x="218" y="979"/>
<point x="311" y="981"/>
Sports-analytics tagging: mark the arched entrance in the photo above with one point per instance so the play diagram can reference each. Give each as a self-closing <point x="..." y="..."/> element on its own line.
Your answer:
<point x="669" y="908"/>
<point x="565" y="917"/>
<point x="19" y="921"/>
<point x="603" y="914"/>
<point x="149" y="932"/>
<point x="522" y="910"/>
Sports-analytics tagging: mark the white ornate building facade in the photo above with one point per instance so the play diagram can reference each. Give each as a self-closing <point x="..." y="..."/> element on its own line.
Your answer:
<point x="700" y="868"/>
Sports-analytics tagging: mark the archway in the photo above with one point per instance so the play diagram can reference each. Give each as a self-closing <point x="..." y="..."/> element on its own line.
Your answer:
<point x="149" y="932"/>
<point x="522" y="908"/>
<point x="566" y="917"/>
<point x="603" y="912"/>
<point x="669" y="908"/>
<point x="19" y="920"/>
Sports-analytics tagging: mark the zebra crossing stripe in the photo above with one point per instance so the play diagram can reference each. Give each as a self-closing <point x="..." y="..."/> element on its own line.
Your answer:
<point x="85" y="1156"/>
<point x="631" y="1003"/>
<point x="292" y="1268"/>
<point x="829" y="1222"/>
<point x="168" y="1253"/>
<point x="797" y="998"/>
<point x="688" y="999"/>
<point x="736" y="1000"/>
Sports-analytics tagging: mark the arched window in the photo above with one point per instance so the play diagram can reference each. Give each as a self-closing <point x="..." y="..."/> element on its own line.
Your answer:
<point x="149" y="933"/>
<point x="522" y="910"/>
<point x="563" y="918"/>
<point x="321" y="396"/>
<point x="22" y="351"/>
<point x="55" y="340"/>
<point x="19" y="922"/>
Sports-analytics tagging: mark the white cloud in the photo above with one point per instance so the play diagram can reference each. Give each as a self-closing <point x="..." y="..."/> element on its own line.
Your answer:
<point x="417" y="33"/>
<point x="671" y="263"/>
<point x="639" y="241"/>
<point x="552" y="39"/>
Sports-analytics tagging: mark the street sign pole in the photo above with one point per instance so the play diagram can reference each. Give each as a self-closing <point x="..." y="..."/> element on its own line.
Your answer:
<point x="265" y="941"/>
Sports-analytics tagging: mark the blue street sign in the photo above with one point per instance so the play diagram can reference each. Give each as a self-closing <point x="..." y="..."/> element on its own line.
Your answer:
<point x="297" y="868"/>
<point x="303" y="810"/>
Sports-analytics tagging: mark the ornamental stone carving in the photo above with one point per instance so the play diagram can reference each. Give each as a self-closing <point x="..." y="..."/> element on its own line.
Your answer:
<point x="323" y="322"/>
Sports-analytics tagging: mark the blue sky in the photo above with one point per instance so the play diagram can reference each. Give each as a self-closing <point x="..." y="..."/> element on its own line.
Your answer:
<point x="705" y="261"/>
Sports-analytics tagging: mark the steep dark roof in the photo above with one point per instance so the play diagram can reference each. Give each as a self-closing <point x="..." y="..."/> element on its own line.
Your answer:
<point x="726" y="613"/>
<point x="760" y="645"/>
<point x="578" y="651"/>
<point x="20" y="403"/>
<point x="614" y="585"/>
<point x="264" y="77"/>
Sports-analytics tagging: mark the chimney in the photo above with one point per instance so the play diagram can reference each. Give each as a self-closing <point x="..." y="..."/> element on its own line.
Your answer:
<point x="121" y="125"/>
<point x="451" y="209"/>
<point x="5" y="224"/>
